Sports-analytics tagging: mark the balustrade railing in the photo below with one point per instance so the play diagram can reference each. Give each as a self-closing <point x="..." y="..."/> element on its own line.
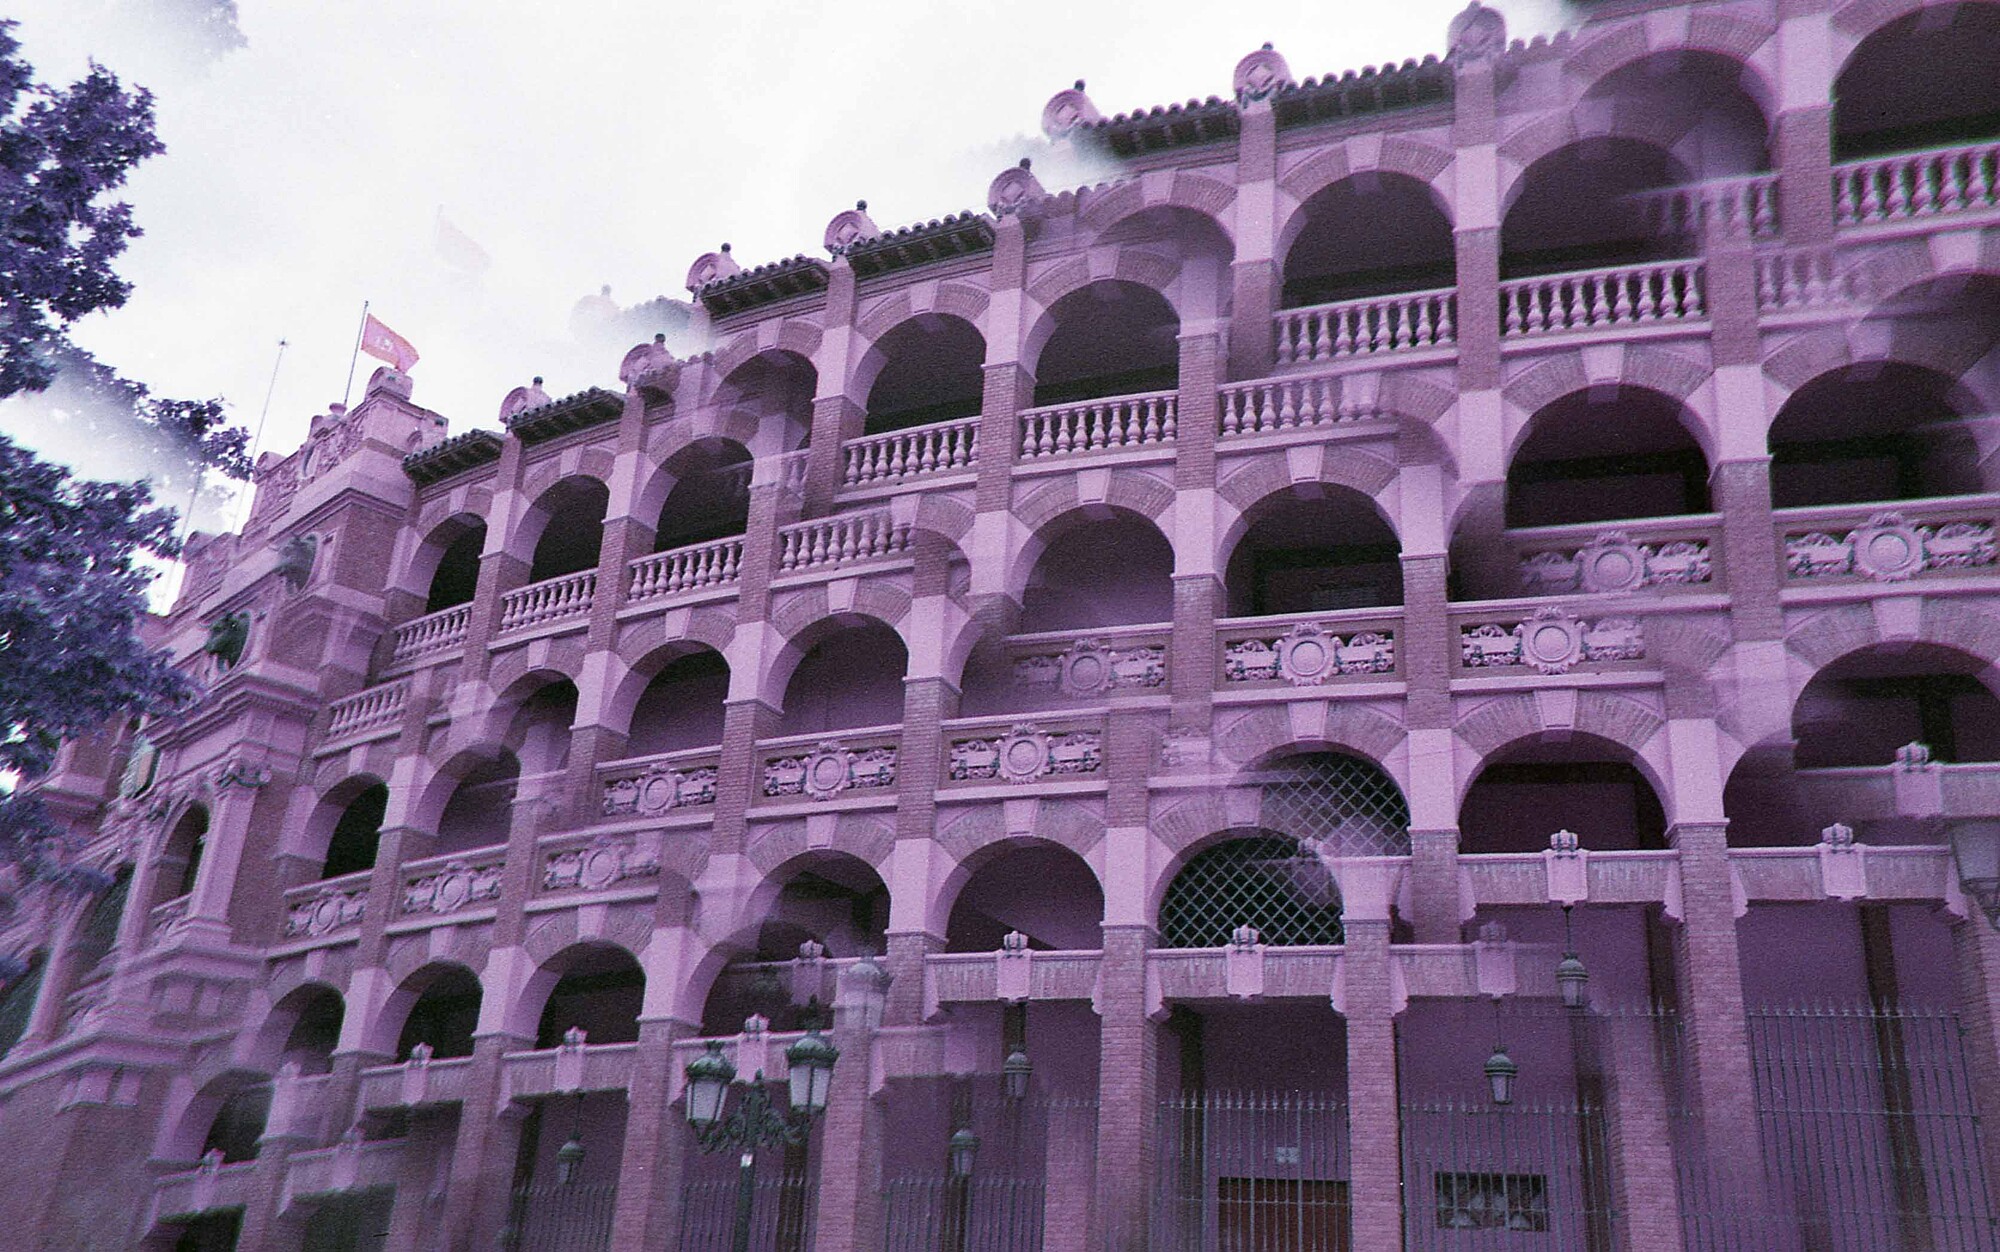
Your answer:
<point x="1890" y="542"/>
<point x="650" y="785"/>
<point x="685" y="569"/>
<point x="1917" y="184"/>
<point x="548" y="600"/>
<point x="1629" y="295"/>
<point x="1808" y="278"/>
<point x="1743" y="206"/>
<point x="1668" y="552"/>
<point x="1108" y="425"/>
<point x="1392" y="323"/>
<point x="900" y="454"/>
<point x="841" y="540"/>
<point x="372" y="709"/>
<point x="1280" y="404"/>
<point x="433" y="632"/>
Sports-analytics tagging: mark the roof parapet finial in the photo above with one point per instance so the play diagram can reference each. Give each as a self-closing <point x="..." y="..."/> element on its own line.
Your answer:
<point x="1260" y="75"/>
<point x="1067" y="110"/>
<point x="712" y="267"/>
<point x="850" y="227"/>
<point x="1476" y="34"/>
<point x="1014" y="190"/>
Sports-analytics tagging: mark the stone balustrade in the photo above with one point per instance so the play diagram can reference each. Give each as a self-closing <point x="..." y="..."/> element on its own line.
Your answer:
<point x="1117" y="423"/>
<point x="1307" y="650"/>
<point x="416" y="1083"/>
<point x="354" y="1164"/>
<point x="1274" y="405"/>
<point x="430" y="634"/>
<point x="550" y="600"/>
<point x="1595" y="557"/>
<point x="940" y="448"/>
<point x="1652" y="293"/>
<point x="847" y="539"/>
<point x="1890" y="543"/>
<point x="572" y="1067"/>
<point x="821" y="767"/>
<point x="167" y="917"/>
<point x="209" y="1187"/>
<point x="1021" y="750"/>
<point x="1807" y="279"/>
<point x="1743" y="206"/>
<point x="1917" y="184"/>
<point x="1570" y="873"/>
<point x="324" y="908"/>
<point x="1349" y="328"/>
<point x="376" y="708"/>
<point x="692" y="568"/>
<point x="1013" y="976"/>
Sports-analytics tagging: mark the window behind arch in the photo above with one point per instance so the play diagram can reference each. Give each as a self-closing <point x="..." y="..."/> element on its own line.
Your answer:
<point x="1269" y="882"/>
<point x="1339" y="802"/>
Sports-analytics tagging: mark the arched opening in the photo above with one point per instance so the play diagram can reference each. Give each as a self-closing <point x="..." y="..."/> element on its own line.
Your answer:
<point x="1608" y="454"/>
<point x="1313" y="549"/>
<point x="180" y="858"/>
<point x="682" y="706"/>
<point x="853" y="676"/>
<point x="1926" y="80"/>
<point x="773" y="386"/>
<point x="1106" y="567"/>
<point x="456" y="577"/>
<point x="831" y="899"/>
<point x="1369" y="235"/>
<point x="315" y="1014"/>
<point x="572" y="519"/>
<point x="1884" y="430"/>
<point x="600" y="993"/>
<point x="710" y="498"/>
<point x="97" y="933"/>
<point x="444" y="1014"/>
<point x="1111" y="338"/>
<point x="17" y="1001"/>
<point x="1585" y="206"/>
<point x="1702" y="105"/>
<point x="1863" y="707"/>
<point x="1041" y="890"/>
<point x="1265" y="880"/>
<point x="540" y="731"/>
<point x="356" y="833"/>
<point x="1337" y="804"/>
<point x="932" y="369"/>
<point x="1530" y="790"/>
<point x="239" y="1124"/>
<point x="480" y="812"/>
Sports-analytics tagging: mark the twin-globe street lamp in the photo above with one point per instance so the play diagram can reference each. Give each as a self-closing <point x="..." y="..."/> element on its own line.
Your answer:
<point x="756" y="1122"/>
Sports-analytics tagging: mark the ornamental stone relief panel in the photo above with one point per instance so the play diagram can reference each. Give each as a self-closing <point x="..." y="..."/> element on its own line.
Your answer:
<point x="604" y="863"/>
<point x="1026" y="752"/>
<point x="456" y="886"/>
<point x="1308" y="655"/>
<point x="1553" y="641"/>
<point x="1614" y="562"/>
<point x="1890" y="548"/>
<point x="327" y="911"/>
<point x="828" y="770"/>
<point x="658" y="790"/>
<point x="1090" y="667"/>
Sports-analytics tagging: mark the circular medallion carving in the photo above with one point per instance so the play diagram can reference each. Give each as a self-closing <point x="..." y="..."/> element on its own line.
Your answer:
<point x="1612" y="564"/>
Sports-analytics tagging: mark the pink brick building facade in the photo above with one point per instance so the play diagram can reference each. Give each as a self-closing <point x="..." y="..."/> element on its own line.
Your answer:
<point x="1208" y="644"/>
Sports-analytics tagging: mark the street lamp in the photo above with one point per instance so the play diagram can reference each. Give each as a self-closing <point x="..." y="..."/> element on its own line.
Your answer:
<point x="756" y="1122"/>
<point x="960" y="1150"/>
<point x="1975" y="846"/>
<point x="1500" y="1068"/>
<point x="1014" y="1074"/>
<point x="1572" y="979"/>
<point x="569" y="1157"/>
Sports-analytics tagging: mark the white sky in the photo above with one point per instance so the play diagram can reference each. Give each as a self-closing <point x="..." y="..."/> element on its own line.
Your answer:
<point x="583" y="144"/>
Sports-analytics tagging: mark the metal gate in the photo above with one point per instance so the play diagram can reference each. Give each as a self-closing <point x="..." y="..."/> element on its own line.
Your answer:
<point x="781" y="1214"/>
<point x="1480" y="1177"/>
<point x="1252" y="1172"/>
<point x="563" y="1217"/>
<point x="963" y="1214"/>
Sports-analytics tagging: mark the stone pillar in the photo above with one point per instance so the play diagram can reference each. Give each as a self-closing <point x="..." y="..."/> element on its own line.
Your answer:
<point x="1976" y="960"/>
<point x="1256" y="276"/>
<point x="264" y="1225"/>
<point x="744" y="722"/>
<point x="413" y="1216"/>
<point x="1709" y="987"/>
<point x="479" y="1188"/>
<point x="1374" y="1115"/>
<point x="1476" y="233"/>
<point x="652" y="1168"/>
<point x="1429" y="655"/>
<point x="849" y="1211"/>
<point x="1434" y="914"/>
<point x="229" y="826"/>
<point x="1127" y="1092"/>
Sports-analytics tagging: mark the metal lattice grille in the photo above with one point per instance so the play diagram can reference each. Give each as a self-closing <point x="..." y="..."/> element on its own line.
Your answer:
<point x="1266" y="881"/>
<point x="1344" y="805"/>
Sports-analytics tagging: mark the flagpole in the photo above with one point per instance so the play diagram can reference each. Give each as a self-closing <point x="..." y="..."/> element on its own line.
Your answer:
<point x="257" y="439"/>
<point x="358" y="332"/>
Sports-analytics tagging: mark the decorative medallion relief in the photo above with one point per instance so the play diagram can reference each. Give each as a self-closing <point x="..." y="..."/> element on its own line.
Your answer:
<point x="1308" y="655"/>
<point x="605" y="863"/>
<point x="829" y="770"/>
<point x="326" y="912"/>
<point x="659" y="789"/>
<point x="1026" y="752"/>
<point x="1552" y="642"/>
<point x="454" y="887"/>
<point x="1089" y="668"/>
<point x="1889" y="549"/>
<point x="1613" y="562"/>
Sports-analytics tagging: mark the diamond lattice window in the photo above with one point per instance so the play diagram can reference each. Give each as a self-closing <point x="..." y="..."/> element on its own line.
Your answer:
<point x="1266" y="881"/>
<point x="1340" y="804"/>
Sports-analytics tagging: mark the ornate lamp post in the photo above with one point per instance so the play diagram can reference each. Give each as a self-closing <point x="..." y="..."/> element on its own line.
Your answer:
<point x="755" y="1122"/>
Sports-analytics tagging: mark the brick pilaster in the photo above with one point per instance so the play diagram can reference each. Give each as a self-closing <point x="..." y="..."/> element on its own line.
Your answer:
<point x="1804" y="156"/>
<point x="1255" y="278"/>
<point x="1709" y="988"/>
<point x="837" y="417"/>
<point x="1191" y="650"/>
<point x="1976" y="962"/>
<point x="1742" y="495"/>
<point x="744" y="722"/>
<point x="483" y="1151"/>
<point x="499" y="571"/>
<point x="848" y="1213"/>
<point x="653" y="1162"/>
<point x="1434" y="913"/>
<point x="1374" y="1116"/>
<point x="1638" y="1126"/>
<point x="1127" y="1092"/>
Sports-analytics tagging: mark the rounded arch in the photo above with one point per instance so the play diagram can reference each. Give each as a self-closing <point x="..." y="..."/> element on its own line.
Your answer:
<point x="1310" y="548"/>
<point x="1340" y="802"/>
<point x="345" y="826"/>
<point x="595" y="986"/>
<point x="1370" y="233"/>
<point x="773" y="388"/>
<point x="234" y="1103"/>
<point x="927" y="368"/>
<point x="437" y="1005"/>
<point x="1066" y="583"/>
<point x="181" y="854"/>
<point x="841" y="672"/>
<point x="1250" y="876"/>
<point x="1584" y="206"/>
<point x="468" y="801"/>
<point x="1109" y="337"/>
<point x="834" y="899"/>
<point x="446" y="563"/>
<point x="539" y="728"/>
<point x="302" y="1029"/>
<point x="1607" y="454"/>
<point x="1710" y="109"/>
<point x="562" y="531"/>
<point x="1525" y="790"/>
<point x="1875" y="431"/>
<point x="698" y="493"/>
<point x="1860" y="708"/>
<point x="1923" y="79"/>
<point x="673" y="699"/>
<point x="1035" y="886"/>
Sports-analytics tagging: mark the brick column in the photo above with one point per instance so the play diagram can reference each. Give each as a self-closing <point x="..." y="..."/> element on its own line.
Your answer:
<point x="412" y="1219"/>
<point x="1976" y="961"/>
<point x="1751" y="560"/>
<point x="1638" y="1127"/>
<point x="744" y="722"/>
<point x="1374" y="1117"/>
<point x="499" y="573"/>
<point x="1804" y="157"/>
<point x="836" y="416"/>
<point x="1191" y="670"/>
<point x="1255" y="278"/>
<point x="1127" y="1091"/>
<point x="652" y="1167"/>
<point x="1429" y="655"/>
<point x="848" y="1215"/>
<point x="1709" y="987"/>
<point x="482" y="1154"/>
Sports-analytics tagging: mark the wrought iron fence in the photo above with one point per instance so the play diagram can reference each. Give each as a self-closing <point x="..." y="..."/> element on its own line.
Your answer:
<point x="1490" y="1178"/>
<point x="963" y="1214"/>
<point x="1244" y="1171"/>
<point x="781" y="1214"/>
<point x="561" y="1217"/>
